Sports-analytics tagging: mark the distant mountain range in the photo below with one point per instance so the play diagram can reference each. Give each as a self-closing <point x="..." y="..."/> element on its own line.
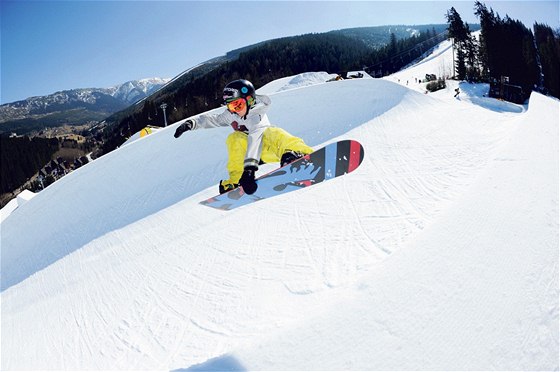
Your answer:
<point x="74" y="107"/>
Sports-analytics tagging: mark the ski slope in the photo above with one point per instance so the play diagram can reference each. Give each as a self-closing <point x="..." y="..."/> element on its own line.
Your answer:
<point x="439" y="253"/>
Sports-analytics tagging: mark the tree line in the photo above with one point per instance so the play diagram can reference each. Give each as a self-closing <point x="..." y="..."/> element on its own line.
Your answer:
<point x="507" y="52"/>
<point x="399" y="53"/>
<point x="22" y="157"/>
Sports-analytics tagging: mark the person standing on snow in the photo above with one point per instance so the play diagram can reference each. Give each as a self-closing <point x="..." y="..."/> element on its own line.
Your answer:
<point x="457" y="91"/>
<point x="254" y="139"/>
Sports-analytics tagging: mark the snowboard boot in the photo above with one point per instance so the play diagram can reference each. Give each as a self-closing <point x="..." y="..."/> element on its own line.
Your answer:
<point x="289" y="157"/>
<point x="227" y="187"/>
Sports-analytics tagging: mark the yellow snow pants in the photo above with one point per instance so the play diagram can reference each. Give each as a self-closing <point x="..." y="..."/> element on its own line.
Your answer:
<point x="276" y="141"/>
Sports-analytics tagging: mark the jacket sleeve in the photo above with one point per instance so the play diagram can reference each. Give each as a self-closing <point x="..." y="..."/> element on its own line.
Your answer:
<point x="264" y="99"/>
<point x="225" y="118"/>
<point x="212" y="120"/>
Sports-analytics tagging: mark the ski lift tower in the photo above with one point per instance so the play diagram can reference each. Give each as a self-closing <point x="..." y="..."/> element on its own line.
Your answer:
<point x="163" y="107"/>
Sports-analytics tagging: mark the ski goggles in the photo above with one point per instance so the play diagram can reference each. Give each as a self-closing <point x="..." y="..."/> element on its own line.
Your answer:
<point x="237" y="105"/>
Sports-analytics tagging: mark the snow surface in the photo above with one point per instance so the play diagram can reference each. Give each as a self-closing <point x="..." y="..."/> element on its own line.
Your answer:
<point x="297" y="81"/>
<point x="439" y="253"/>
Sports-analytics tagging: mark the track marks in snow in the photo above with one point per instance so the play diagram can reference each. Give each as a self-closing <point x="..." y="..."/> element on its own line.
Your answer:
<point x="205" y="281"/>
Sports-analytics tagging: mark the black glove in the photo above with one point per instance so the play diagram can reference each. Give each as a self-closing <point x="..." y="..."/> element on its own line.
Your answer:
<point x="187" y="125"/>
<point x="247" y="181"/>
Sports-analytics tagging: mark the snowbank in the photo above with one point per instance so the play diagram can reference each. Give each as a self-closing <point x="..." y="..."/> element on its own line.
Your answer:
<point x="8" y="209"/>
<point x="24" y="196"/>
<point x="296" y="81"/>
<point x="303" y="80"/>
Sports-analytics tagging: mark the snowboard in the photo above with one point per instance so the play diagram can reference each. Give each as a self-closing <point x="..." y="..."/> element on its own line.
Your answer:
<point x="331" y="161"/>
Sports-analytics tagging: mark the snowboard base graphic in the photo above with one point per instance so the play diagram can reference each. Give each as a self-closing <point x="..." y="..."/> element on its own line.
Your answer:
<point x="333" y="160"/>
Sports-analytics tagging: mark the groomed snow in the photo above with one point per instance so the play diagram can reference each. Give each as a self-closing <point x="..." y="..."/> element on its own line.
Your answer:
<point x="439" y="253"/>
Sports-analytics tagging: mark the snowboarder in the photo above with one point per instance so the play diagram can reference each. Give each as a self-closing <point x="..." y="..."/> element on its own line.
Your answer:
<point x="254" y="140"/>
<point x="457" y="91"/>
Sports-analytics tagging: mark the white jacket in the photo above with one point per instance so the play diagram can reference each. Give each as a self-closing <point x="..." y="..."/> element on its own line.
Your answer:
<point x="256" y="121"/>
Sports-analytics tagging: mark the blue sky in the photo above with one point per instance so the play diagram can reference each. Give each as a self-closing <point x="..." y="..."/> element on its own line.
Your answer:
<point x="48" y="46"/>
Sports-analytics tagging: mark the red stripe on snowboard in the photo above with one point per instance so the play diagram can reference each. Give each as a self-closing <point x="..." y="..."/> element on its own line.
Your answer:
<point x="355" y="151"/>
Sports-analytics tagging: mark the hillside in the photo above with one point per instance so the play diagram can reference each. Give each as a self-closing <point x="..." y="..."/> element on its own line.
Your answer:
<point x="439" y="253"/>
<point x="379" y="36"/>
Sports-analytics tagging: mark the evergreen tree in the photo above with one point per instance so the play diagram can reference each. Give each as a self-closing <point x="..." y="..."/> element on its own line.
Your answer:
<point x="507" y="50"/>
<point x="460" y="36"/>
<point x="472" y="58"/>
<point x="460" y="65"/>
<point x="487" y="20"/>
<point x="548" y="46"/>
<point x="393" y="48"/>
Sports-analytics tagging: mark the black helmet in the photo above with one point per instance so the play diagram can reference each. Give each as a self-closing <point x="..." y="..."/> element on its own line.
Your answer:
<point x="239" y="89"/>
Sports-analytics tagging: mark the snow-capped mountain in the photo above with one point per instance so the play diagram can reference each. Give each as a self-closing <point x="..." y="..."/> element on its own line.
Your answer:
<point x="103" y="100"/>
<point x="440" y="252"/>
<point x="132" y="91"/>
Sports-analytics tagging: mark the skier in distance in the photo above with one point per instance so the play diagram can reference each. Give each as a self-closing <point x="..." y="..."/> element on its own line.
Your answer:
<point x="254" y="139"/>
